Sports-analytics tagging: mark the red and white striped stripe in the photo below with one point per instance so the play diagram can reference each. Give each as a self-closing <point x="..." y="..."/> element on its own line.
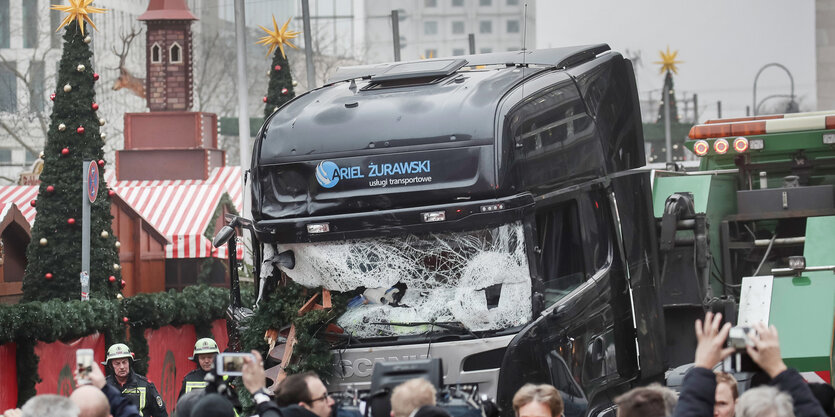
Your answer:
<point x="21" y="196"/>
<point x="180" y="209"/>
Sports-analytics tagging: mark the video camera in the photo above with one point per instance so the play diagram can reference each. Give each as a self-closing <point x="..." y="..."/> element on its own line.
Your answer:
<point x="458" y="401"/>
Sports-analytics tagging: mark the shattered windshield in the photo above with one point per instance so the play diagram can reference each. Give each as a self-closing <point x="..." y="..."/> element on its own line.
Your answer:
<point x="479" y="279"/>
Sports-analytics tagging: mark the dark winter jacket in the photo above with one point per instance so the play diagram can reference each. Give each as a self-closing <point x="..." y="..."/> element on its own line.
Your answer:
<point x="805" y="404"/>
<point x="698" y="394"/>
<point x="192" y="381"/>
<point x="141" y="393"/>
<point x="119" y="405"/>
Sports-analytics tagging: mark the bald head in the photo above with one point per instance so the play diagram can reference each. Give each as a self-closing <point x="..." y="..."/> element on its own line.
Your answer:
<point x="91" y="401"/>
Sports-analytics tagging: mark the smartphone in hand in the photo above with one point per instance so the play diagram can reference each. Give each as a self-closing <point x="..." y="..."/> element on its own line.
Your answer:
<point x="231" y="363"/>
<point x="84" y="365"/>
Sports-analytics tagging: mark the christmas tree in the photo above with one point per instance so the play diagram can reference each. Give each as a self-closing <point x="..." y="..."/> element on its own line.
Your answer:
<point x="668" y="87"/>
<point x="668" y="64"/>
<point x="280" y="89"/>
<point x="54" y="253"/>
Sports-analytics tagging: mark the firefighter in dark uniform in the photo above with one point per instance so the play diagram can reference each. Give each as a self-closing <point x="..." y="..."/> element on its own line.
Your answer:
<point x="204" y="354"/>
<point x="136" y="388"/>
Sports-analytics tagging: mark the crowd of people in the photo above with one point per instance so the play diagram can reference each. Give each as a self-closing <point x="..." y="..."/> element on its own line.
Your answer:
<point x="704" y="392"/>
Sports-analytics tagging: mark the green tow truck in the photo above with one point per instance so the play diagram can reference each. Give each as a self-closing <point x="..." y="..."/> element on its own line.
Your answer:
<point x="752" y="234"/>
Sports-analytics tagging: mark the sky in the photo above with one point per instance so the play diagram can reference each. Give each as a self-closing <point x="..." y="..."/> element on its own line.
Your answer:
<point x="723" y="44"/>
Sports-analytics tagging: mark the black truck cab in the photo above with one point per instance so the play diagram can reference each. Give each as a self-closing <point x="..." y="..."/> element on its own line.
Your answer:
<point x="489" y="206"/>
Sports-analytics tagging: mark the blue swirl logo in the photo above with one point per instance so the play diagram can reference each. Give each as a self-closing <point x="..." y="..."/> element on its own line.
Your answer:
<point x="326" y="174"/>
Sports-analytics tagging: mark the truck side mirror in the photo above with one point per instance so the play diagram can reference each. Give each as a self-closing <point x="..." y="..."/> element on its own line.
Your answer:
<point x="223" y="236"/>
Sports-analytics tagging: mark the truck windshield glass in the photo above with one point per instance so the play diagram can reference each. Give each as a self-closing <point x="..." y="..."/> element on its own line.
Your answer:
<point x="478" y="278"/>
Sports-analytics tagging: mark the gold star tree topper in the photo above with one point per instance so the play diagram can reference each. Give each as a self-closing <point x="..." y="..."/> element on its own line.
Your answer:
<point x="78" y="10"/>
<point x="668" y="61"/>
<point x="278" y="37"/>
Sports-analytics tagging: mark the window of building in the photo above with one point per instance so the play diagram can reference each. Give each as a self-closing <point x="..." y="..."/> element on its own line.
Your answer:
<point x="54" y="21"/>
<point x="458" y="51"/>
<point x="430" y="53"/>
<point x="5" y="30"/>
<point x="176" y="53"/>
<point x="458" y="27"/>
<point x="485" y="2"/>
<point x="457" y="3"/>
<point x="156" y="53"/>
<point x="5" y="156"/>
<point x="8" y="84"/>
<point x="36" y="86"/>
<point x="29" y="157"/>
<point x="430" y="28"/>
<point x="430" y="3"/>
<point x="485" y="26"/>
<point x="485" y="50"/>
<point x="512" y="26"/>
<point x="30" y="24"/>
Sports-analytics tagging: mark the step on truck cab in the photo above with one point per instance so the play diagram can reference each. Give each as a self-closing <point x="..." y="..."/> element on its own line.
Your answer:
<point x="488" y="207"/>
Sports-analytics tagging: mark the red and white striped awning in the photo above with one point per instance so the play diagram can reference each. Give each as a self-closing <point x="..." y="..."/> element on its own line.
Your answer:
<point x="21" y="196"/>
<point x="180" y="209"/>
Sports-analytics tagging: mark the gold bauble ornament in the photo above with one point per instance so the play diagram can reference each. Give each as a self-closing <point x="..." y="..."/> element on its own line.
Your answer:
<point x="67" y="88"/>
<point x="43" y="241"/>
<point x="80" y="68"/>
<point x="40" y="155"/>
<point x="102" y="121"/>
<point x="116" y="267"/>
<point x="104" y="234"/>
<point x="295" y="83"/>
<point x="269" y="74"/>
<point x="103" y="136"/>
<point x="87" y="39"/>
<point x="62" y="127"/>
<point x="119" y="296"/>
<point x="117" y="244"/>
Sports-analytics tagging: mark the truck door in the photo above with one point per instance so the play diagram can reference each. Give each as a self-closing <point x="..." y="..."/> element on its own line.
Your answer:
<point x="583" y="343"/>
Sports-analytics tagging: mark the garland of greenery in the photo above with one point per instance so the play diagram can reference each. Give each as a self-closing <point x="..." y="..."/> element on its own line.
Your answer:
<point x="281" y="309"/>
<point x="28" y="323"/>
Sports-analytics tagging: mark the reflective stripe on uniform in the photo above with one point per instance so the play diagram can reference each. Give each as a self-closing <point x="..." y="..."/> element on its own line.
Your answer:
<point x="191" y="385"/>
<point x="140" y="391"/>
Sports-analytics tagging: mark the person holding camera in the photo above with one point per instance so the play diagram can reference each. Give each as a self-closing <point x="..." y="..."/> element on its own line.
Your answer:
<point x="205" y="351"/>
<point x="96" y="398"/>
<point x="697" y="397"/>
<point x="136" y="388"/>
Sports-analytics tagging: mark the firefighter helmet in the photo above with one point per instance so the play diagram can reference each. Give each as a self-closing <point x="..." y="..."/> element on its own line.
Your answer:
<point x="117" y="351"/>
<point x="204" y="345"/>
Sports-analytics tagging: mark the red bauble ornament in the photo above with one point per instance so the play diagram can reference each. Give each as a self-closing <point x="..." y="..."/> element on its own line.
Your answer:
<point x="48" y="275"/>
<point x="95" y="76"/>
<point x="124" y="283"/>
<point x="110" y="193"/>
<point x="95" y="106"/>
<point x="52" y="96"/>
<point x="101" y="162"/>
<point x="111" y="278"/>
<point x="283" y="91"/>
<point x="278" y="67"/>
<point x="70" y="221"/>
<point x="33" y="203"/>
<point x="265" y="99"/>
<point x="50" y="188"/>
<point x="80" y="130"/>
<point x="125" y="320"/>
<point x="65" y="151"/>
